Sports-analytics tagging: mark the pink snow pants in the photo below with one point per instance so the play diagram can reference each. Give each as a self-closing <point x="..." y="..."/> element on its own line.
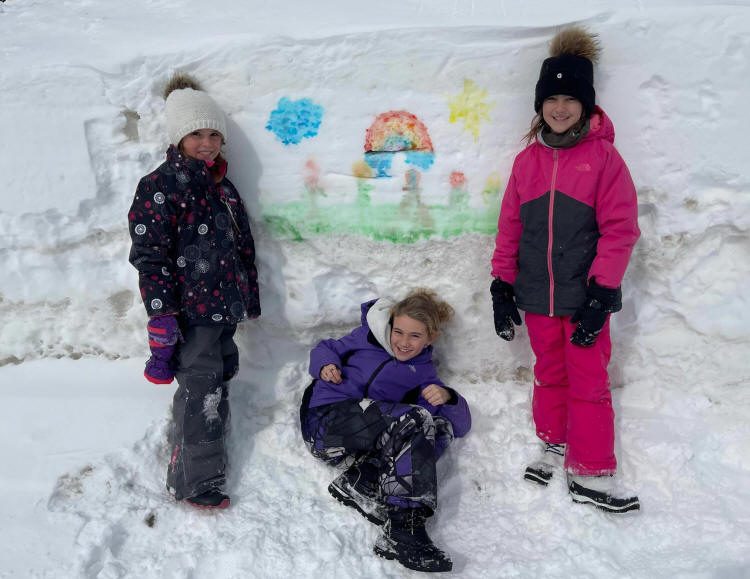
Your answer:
<point x="572" y="403"/>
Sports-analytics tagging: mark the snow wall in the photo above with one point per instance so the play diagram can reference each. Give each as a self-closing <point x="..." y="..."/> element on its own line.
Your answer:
<point x="374" y="161"/>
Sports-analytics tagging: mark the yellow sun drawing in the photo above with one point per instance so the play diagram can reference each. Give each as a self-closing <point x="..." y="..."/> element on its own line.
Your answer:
<point x="471" y="107"/>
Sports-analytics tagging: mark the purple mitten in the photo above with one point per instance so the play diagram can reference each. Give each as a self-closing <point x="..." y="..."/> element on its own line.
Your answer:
<point x="163" y="335"/>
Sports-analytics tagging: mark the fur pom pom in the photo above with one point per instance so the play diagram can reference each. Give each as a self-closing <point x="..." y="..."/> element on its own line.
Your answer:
<point x="179" y="81"/>
<point x="577" y="41"/>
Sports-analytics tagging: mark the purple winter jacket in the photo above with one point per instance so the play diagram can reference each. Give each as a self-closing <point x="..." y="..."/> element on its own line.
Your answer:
<point x="370" y="371"/>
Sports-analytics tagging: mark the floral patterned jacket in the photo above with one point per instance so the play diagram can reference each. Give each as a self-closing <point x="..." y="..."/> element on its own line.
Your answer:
<point x="192" y="244"/>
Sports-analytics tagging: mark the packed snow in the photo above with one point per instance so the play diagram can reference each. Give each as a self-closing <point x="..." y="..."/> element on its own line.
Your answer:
<point x="83" y="434"/>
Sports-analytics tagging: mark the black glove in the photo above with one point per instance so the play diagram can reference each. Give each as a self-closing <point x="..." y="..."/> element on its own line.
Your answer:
<point x="504" y="309"/>
<point x="591" y="316"/>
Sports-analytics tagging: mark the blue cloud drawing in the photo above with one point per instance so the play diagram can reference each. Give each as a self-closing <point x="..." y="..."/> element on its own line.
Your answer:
<point x="291" y="121"/>
<point x="381" y="161"/>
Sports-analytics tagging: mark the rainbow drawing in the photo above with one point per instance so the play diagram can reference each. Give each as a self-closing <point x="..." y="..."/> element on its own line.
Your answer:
<point x="397" y="132"/>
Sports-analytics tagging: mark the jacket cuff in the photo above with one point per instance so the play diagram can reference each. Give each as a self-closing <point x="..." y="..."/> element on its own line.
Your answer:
<point x="454" y="396"/>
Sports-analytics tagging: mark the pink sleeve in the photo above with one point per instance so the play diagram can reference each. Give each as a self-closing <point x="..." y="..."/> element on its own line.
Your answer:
<point x="505" y="256"/>
<point x="617" y="219"/>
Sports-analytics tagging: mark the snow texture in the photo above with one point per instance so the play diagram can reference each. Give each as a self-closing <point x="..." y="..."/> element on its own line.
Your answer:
<point x="84" y="435"/>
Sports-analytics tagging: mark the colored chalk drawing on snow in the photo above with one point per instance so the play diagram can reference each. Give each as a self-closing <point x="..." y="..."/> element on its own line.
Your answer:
<point x="470" y="107"/>
<point x="459" y="195"/>
<point x="395" y="132"/>
<point x="291" y="121"/>
<point x="363" y="212"/>
<point x="313" y="188"/>
<point x="363" y="172"/>
<point x="491" y="190"/>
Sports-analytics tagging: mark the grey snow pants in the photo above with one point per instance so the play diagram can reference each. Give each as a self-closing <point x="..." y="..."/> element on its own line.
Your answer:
<point x="207" y="359"/>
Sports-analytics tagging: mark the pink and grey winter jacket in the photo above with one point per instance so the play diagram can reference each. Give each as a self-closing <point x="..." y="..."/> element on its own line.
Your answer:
<point x="567" y="215"/>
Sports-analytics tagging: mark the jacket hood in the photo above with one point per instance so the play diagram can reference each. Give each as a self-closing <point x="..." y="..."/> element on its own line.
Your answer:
<point x="376" y="315"/>
<point x="600" y="126"/>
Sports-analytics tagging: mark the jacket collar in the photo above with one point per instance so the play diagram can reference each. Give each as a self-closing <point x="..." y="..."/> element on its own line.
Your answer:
<point x="177" y="160"/>
<point x="600" y="127"/>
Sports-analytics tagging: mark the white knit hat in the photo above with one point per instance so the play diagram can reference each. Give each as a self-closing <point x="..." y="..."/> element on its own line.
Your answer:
<point x="189" y="109"/>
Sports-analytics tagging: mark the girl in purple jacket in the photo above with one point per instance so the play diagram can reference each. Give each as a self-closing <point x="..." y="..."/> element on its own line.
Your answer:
<point x="376" y="399"/>
<point x="568" y="224"/>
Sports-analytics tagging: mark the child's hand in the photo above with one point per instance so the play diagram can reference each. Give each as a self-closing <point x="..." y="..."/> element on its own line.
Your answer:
<point x="436" y="395"/>
<point x="330" y="373"/>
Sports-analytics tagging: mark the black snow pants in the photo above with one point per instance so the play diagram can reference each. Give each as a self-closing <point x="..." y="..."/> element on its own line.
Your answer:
<point x="207" y="360"/>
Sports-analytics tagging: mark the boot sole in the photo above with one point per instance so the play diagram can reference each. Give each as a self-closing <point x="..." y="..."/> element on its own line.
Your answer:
<point x="602" y="501"/>
<point x="347" y="501"/>
<point x="391" y="556"/>
<point x="222" y="505"/>
<point x="539" y="477"/>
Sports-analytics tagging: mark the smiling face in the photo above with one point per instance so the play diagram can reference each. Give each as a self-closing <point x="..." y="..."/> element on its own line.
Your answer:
<point x="561" y="112"/>
<point x="408" y="338"/>
<point x="202" y="144"/>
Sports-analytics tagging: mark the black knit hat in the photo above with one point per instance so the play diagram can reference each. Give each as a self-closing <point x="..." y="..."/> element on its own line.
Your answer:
<point x="569" y="75"/>
<point x="570" y="69"/>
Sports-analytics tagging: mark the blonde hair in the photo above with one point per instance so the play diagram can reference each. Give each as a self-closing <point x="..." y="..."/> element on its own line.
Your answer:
<point x="425" y="306"/>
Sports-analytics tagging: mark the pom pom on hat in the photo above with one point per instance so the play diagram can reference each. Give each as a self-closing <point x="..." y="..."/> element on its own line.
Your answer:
<point x="189" y="108"/>
<point x="570" y="68"/>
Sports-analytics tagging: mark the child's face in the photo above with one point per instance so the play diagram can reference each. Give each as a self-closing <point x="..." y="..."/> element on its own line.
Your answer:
<point x="561" y="112"/>
<point x="408" y="338"/>
<point x="203" y="144"/>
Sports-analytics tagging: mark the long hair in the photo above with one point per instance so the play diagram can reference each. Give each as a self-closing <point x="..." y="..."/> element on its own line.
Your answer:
<point x="537" y="124"/>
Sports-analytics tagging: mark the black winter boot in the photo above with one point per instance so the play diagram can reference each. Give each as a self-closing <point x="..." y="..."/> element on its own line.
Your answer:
<point x="551" y="459"/>
<point x="358" y="487"/>
<point x="211" y="499"/>
<point x="405" y="538"/>
<point x="601" y="492"/>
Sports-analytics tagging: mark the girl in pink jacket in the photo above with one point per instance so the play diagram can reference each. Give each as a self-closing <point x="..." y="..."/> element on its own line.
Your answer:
<point x="568" y="224"/>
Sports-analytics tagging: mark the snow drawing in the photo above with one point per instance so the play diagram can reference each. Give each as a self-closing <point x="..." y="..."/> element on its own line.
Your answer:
<point x="395" y="132"/>
<point x="470" y="107"/>
<point x="291" y="121"/>
<point x="395" y="139"/>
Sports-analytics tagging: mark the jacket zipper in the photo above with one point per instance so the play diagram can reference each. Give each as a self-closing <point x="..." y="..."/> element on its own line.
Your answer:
<point x="550" y="241"/>
<point x="235" y="240"/>
<point x="231" y="215"/>
<point x="374" y="374"/>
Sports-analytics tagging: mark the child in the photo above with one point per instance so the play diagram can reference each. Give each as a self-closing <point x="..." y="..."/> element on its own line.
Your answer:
<point x="195" y="258"/>
<point x="568" y="224"/>
<point x="376" y="398"/>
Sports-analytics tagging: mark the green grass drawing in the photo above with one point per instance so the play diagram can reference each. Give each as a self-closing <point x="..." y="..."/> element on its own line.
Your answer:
<point x="405" y="222"/>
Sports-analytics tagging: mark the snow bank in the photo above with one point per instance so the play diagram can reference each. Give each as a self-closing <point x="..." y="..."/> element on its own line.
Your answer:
<point x="314" y="96"/>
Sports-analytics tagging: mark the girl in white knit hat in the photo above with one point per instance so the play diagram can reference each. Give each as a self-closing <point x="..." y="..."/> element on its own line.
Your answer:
<point x="195" y="257"/>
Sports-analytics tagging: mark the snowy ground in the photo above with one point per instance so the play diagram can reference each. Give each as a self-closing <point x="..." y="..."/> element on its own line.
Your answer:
<point x="83" y="435"/>
<point x="86" y="498"/>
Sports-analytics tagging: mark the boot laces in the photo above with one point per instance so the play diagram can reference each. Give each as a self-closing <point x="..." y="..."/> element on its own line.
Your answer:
<point x="552" y="448"/>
